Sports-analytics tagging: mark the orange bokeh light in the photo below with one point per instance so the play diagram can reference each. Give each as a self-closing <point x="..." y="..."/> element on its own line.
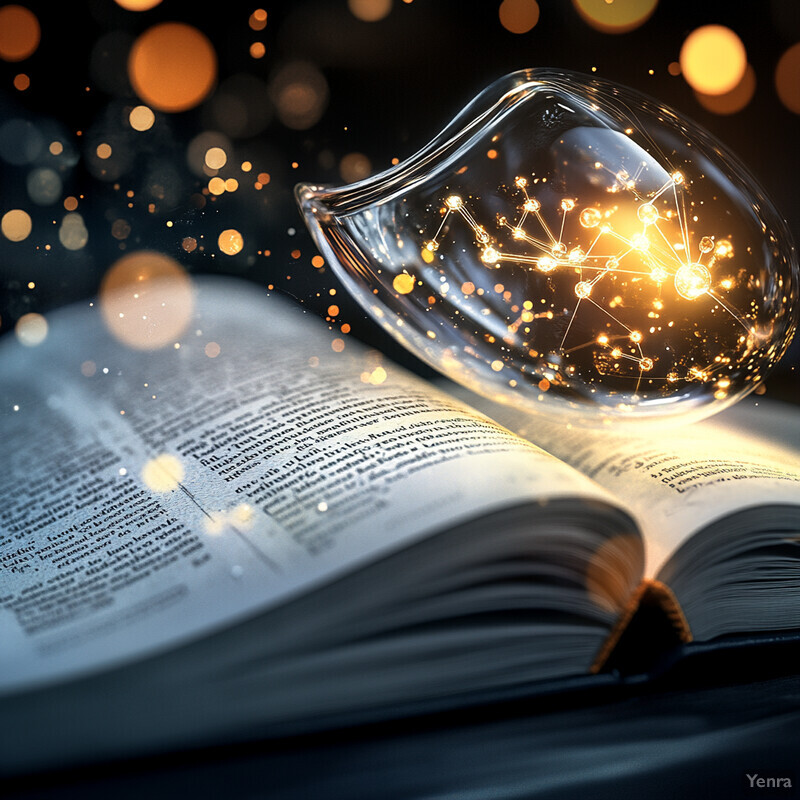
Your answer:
<point x="146" y="299"/>
<point x="518" y="16"/>
<point x="230" y="242"/>
<point x="138" y="5"/>
<point x="19" y="33"/>
<point x="733" y="101"/>
<point x="787" y="78"/>
<point x="713" y="59"/>
<point x="618" y="16"/>
<point x="172" y="66"/>
<point x="258" y="20"/>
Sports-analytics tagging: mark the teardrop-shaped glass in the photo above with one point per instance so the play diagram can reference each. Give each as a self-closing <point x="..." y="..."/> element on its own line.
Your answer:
<point x="574" y="248"/>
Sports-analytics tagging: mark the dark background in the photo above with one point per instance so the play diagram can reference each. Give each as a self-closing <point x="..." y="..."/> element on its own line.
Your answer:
<point x="392" y="85"/>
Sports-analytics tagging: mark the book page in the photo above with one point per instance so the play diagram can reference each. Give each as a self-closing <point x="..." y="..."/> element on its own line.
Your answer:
<point x="677" y="480"/>
<point x="149" y="496"/>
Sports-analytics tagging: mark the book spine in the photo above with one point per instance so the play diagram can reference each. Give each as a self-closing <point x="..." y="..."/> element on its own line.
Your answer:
<point x="651" y="593"/>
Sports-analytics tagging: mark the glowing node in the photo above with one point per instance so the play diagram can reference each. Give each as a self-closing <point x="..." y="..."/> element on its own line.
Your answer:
<point x="576" y="255"/>
<point x="724" y="249"/>
<point x="518" y="233"/>
<point x="559" y="249"/>
<point x="647" y="213"/>
<point x="454" y="202"/>
<point x="706" y="244"/>
<point x="567" y="204"/>
<point x="692" y="281"/>
<point x="590" y="217"/>
<point x="546" y="264"/>
<point x="646" y="364"/>
<point x="612" y="263"/>
<point x="659" y="274"/>
<point x="432" y="246"/>
<point x="583" y="289"/>
<point x="640" y="242"/>
<point x="531" y="206"/>
<point x="635" y="336"/>
<point x="616" y="352"/>
<point x="489" y="255"/>
<point x="521" y="182"/>
<point x="602" y="339"/>
<point x="481" y="235"/>
<point x="677" y="177"/>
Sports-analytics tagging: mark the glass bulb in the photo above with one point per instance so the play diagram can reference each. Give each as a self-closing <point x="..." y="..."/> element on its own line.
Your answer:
<point x="574" y="248"/>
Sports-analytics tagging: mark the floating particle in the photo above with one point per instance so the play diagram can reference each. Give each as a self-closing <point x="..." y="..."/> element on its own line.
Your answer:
<point x="31" y="329"/>
<point x="141" y="118"/>
<point x="200" y="145"/>
<point x="216" y="158"/>
<point x="230" y="242"/>
<point x="216" y="186"/>
<point x="403" y="283"/>
<point x="16" y="225"/>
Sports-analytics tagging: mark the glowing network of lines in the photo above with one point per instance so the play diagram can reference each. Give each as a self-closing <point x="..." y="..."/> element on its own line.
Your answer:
<point x="657" y="247"/>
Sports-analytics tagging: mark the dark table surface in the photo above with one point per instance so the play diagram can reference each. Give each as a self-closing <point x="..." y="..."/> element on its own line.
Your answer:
<point x="699" y="731"/>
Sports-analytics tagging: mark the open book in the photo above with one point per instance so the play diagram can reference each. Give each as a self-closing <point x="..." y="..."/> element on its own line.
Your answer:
<point x="249" y="533"/>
